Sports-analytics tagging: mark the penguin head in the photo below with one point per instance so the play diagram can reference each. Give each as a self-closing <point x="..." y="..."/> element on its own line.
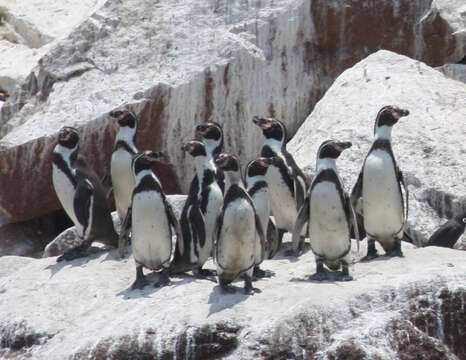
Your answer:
<point x="210" y="132"/>
<point x="271" y="128"/>
<point x="68" y="137"/>
<point x="194" y="148"/>
<point x="227" y="162"/>
<point x="389" y="116"/>
<point x="125" y="118"/>
<point x="145" y="159"/>
<point x="258" y="167"/>
<point x="331" y="149"/>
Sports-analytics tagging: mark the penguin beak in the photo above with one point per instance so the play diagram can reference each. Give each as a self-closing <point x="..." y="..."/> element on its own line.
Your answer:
<point x="155" y="155"/>
<point x="221" y="159"/>
<point x="398" y="113"/>
<point x="344" y="145"/>
<point x="261" y="122"/>
<point x="266" y="161"/>
<point x="185" y="147"/>
<point x="116" y="114"/>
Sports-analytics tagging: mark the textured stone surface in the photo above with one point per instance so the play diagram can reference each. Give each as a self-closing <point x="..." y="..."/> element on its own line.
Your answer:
<point x="394" y="308"/>
<point x="428" y="144"/>
<point x="179" y="64"/>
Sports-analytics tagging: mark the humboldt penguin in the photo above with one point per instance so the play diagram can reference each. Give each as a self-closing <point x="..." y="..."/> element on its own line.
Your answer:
<point x="199" y="214"/>
<point x="151" y="220"/>
<point x="287" y="183"/>
<point x="81" y="195"/>
<point x="448" y="234"/>
<point x="237" y="228"/>
<point x="211" y="134"/>
<point x="120" y="166"/>
<point x="257" y="189"/>
<point x="377" y="194"/>
<point x="328" y="210"/>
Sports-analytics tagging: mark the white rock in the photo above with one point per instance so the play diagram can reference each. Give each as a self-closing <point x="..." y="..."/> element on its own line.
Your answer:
<point x="85" y="309"/>
<point x="428" y="144"/>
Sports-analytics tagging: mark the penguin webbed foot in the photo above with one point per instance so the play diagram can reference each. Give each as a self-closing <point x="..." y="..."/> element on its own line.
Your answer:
<point x="248" y="288"/>
<point x="258" y="273"/>
<point x="396" y="251"/>
<point x="369" y="257"/>
<point x="344" y="275"/>
<point x="140" y="281"/>
<point x="201" y="273"/>
<point x="296" y="252"/>
<point x="164" y="279"/>
<point x="75" y="253"/>
<point x="225" y="286"/>
<point x="371" y="251"/>
<point x="319" y="276"/>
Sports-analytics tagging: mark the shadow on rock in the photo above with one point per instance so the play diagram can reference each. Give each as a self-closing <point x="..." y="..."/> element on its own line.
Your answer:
<point x="219" y="300"/>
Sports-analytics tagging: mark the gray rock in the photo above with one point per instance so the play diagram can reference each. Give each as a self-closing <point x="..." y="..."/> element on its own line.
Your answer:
<point x="428" y="144"/>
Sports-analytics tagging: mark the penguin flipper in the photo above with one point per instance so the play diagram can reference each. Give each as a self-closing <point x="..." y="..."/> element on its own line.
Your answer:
<point x="299" y="191"/>
<point x="124" y="233"/>
<point x="301" y="220"/>
<point x="198" y="225"/>
<point x="82" y="200"/>
<point x="351" y="213"/>
<point x="272" y="238"/>
<point x="216" y="235"/>
<point x="173" y="220"/>
<point x="260" y="233"/>
<point x="355" y="199"/>
<point x="405" y="198"/>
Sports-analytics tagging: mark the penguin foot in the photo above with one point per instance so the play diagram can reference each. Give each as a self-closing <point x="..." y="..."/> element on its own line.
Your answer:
<point x="343" y="277"/>
<point x="258" y="273"/>
<point x="248" y="288"/>
<point x="203" y="273"/>
<point x="227" y="289"/>
<point x="395" y="252"/>
<point x="319" y="276"/>
<point x="369" y="257"/>
<point x="139" y="283"/>
<point x="75" y="253"/>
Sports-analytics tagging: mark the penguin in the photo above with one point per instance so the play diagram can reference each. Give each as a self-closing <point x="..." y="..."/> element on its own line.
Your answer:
<point x="151" y="219"/>
<point x="237" y="228"/>
<point x="448" y="234"/>
<point x="257" y="189"/>
<point x="211" y="134"/>
<point x="328" y="210"/>
<point x="287" y="183"/>
<point x="199" y="214"/>
<point x="81" y="195"/>
<point x="125" y="148"/>
<point x="377" y="194"/>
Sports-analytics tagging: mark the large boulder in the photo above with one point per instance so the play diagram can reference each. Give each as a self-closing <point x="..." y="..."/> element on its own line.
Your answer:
<point x="179" y="64"/>
<point x="84" y="309"/>
<point x="428" y="144"/>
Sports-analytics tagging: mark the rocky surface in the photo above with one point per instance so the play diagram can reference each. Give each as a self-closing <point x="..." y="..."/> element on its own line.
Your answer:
<point x="179" y="64"/>
<point x="428" y="144"/>
<point x="399" y="308"/>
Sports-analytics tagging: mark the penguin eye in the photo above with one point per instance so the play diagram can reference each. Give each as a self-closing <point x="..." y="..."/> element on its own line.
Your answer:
<point x="464" y="220"/>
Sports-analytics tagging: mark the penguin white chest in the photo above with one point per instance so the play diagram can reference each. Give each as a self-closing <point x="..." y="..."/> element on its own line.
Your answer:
<point x="236" y="243"/>
<point x="122" y="180"/>
<point x="382" y="202"/>
<point x="151" y="233"/>
<point x="282" y="202"/>
<point x="328" y="226"/>
<point x="262" y="206"/>
<point x="65" y="191"/>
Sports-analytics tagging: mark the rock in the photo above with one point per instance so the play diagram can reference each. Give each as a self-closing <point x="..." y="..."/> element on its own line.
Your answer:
<point x="69" y="238"/>
<point x="428" y="144"/>
<point x="85" y="309"/>
<point x="454" y="71"/>
<point x="227" y="63"/>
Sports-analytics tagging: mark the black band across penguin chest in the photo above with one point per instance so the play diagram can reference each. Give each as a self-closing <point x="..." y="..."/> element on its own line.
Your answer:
<point x="329" y="175"/>
<point x="147" y="183"/>
<point x="61" y="164"/>
<point x="120" y="144"/>
<point x="257" y="187"/>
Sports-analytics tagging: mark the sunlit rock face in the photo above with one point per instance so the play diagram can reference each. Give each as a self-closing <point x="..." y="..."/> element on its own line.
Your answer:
<point x="180" y="64"/>
<point x="428" y="144"/>
<point x="395" y="307"/>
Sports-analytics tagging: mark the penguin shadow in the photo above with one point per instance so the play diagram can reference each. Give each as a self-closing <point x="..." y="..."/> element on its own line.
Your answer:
<point x="286" y="249"/>
<point x="219" y="300"/>
<point x="146" y="292"/>
<point x="333" y="277"/>
<point x="94" y="253"/>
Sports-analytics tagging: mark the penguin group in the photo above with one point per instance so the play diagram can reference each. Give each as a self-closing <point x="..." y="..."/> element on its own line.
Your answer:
<point x="237" y="216"/>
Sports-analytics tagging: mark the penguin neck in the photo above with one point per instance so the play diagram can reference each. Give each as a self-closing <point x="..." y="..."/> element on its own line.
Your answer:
<point x="251" y="181"/>
<point x="275" y="145"/>
<point x="326" y="164"/>
<point x="67" y="154"/>
<point x="128" y="136"/>
<point x="233" y="178"/>
<point x="211" y="146"/>
<point x="202" y="164"/>
<point x="383" y="133"/>
<point x="143" y="173"/>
